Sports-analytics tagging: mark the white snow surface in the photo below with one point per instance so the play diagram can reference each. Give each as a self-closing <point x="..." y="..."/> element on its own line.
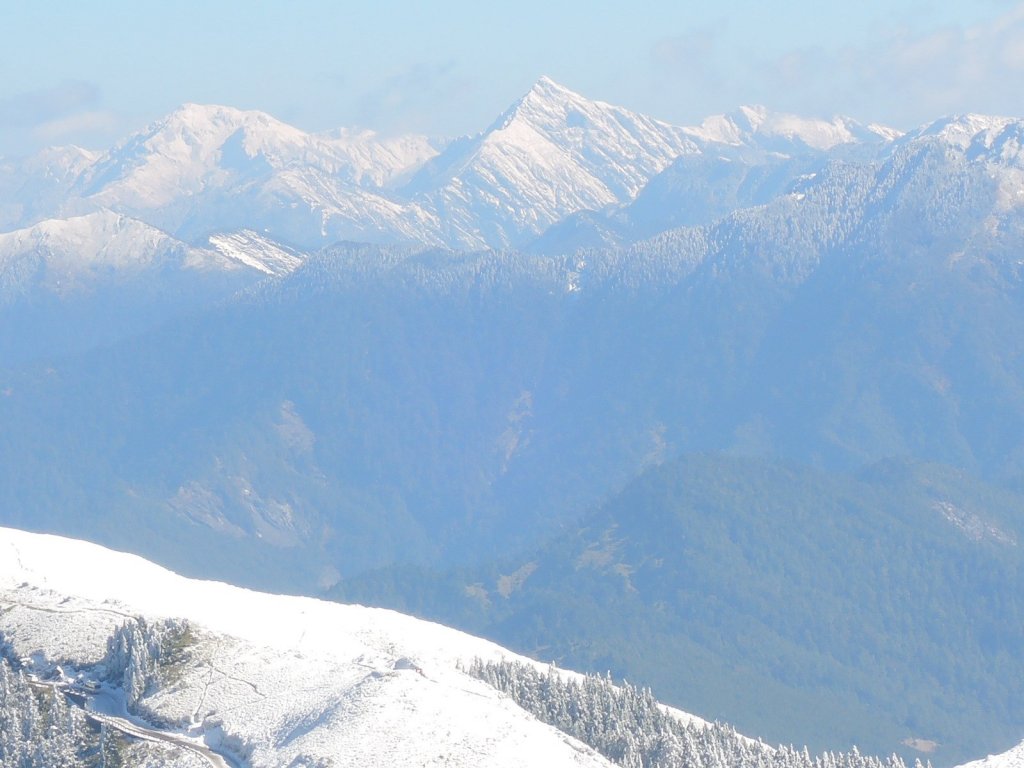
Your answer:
<point x="751" y="125"/>
<point x="1012" y="758"/>
<point x="212" y="168"/>
<point x="67" y="255"/>
<point x="101" y="237"/>
<point x="552" y="153"/>
<point x="73" y="255"/>
<point x="207" y="169"/>
<point x="199" y="146"/>
<point x="253" y="250"/>
<point x="964" y="130"/>
<point x="294" y="680"/>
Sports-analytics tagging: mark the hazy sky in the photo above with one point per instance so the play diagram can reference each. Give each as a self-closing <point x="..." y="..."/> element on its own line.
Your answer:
<point x="90" y="72"/>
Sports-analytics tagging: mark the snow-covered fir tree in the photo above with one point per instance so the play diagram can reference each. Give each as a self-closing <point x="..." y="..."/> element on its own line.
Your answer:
<point x="627" y="725"/>
<point x="137" y="652"/>
<point x="38" y="729"/>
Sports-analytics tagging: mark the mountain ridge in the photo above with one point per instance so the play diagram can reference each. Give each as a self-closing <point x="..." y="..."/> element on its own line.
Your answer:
<point x="310" y="411"/>
<point x="204" y="169"/>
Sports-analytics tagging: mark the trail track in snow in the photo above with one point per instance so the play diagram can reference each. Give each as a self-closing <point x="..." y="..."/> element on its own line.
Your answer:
<point x="56" y="609"/>
<point x="107" y="715"/>
<point x="133" y="728"/>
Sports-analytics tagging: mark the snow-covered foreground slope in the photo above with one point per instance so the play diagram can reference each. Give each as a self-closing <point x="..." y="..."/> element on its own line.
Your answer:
<point x="1012" y="758"/>
<point x="277" y="680"/>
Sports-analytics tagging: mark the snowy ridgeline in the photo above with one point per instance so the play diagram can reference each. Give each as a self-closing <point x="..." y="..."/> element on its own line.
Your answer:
<point x="629" y="727"/>
<point x="219" y="676"/>
<point x="39" y="728"/>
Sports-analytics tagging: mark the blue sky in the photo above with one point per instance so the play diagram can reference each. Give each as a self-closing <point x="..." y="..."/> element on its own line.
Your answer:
<point x="89" y="73"/>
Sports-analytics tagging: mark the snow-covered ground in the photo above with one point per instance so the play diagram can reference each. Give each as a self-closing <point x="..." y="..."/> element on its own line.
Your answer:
<point x="1013" y="758"/>
<point x="291" y="681"/>
<point x="257" y="252"/>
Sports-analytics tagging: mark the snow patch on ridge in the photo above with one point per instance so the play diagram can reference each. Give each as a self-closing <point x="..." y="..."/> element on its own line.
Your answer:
<point x="749" y="124"/>
<point x="253" y="250"/>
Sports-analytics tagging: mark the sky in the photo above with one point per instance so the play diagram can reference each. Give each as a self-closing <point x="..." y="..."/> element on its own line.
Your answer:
<point x="91" y="73"/>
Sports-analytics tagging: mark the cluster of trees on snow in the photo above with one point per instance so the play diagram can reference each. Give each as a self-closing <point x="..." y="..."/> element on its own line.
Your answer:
<point x="627" y="725"/>
<point x="139" y="654"/>
<point x="40" y="729"/>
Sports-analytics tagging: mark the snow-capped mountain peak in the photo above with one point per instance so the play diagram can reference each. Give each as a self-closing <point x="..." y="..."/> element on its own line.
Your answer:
<point x="185" y="152"/>
<point x="573" y="121"/>
<point x="376" y="161"/>
<point x="61" y="160"/>
<point x="546" y="88"/>
<point x="99" y="239"/>
<point x="76" y="254"/>
<point x="553" y="152"/>
<point x="964" y="130"/>
<point x="992" y="140"/>
<point x="197" y="123"/>
<point x="206" y="169"/>
<point x="759" y="126"/>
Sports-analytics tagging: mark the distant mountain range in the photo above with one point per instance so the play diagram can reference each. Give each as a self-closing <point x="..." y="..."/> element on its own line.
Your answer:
<point x="555" y="172"/>
<point x="204" y="170"/>
<point x="322" y="363"/>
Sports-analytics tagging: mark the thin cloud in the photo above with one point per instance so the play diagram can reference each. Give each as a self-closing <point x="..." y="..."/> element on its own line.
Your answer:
<point x="691" y="59"/>
<point x="67" y="112"/>
<point x="77" y="125"/>
<point x="907" y="77"/>
<point x="418" y="98"/>
<point x="902" y="76"/>
<point x="31" y="108"/>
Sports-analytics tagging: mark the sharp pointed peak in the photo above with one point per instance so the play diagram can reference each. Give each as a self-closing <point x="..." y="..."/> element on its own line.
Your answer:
<point x="547" y="88"/>
<point x="191" y="108"/>
<point x="545" y="82"/>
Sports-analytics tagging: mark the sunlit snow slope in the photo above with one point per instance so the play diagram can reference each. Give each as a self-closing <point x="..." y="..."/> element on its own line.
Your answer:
<point x="276" y="680"/>
<point x="1013" y="758"/>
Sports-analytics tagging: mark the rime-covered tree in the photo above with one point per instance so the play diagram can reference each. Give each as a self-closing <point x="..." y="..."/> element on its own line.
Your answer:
<point x="135" y="653"/>
<point x="628" y="726"/>
<point x="38" y="729"/>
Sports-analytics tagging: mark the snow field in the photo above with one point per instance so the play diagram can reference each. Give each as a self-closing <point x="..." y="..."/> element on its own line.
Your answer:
<point x="286" y="679"/>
